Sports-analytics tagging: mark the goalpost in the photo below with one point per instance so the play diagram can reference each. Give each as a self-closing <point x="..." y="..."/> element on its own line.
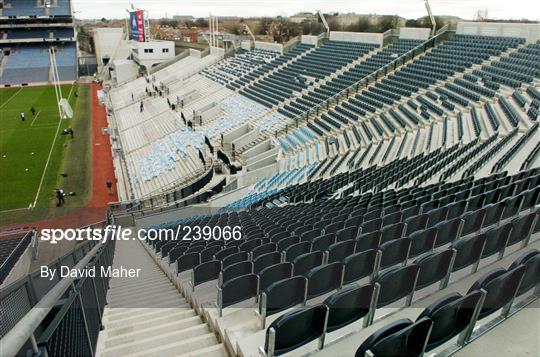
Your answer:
<point x="64" y="109"/>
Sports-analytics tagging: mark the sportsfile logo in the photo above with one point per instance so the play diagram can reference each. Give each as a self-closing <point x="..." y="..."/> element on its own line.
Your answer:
<point x="113" y="232"/>
<point x="55" y="235"/>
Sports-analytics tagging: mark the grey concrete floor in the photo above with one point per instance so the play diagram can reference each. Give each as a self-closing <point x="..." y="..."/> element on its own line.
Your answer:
<point x="516" y="337"/>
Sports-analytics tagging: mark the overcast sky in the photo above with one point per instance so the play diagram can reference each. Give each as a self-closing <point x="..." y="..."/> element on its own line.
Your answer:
<point x="499" y="9"/>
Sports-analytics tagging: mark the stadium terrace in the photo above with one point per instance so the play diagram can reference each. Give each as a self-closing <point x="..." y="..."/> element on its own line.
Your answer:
<point x="264" y="187"/>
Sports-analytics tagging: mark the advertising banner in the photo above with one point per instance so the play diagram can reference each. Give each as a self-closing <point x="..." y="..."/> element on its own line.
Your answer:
<point x="137" y="25"/>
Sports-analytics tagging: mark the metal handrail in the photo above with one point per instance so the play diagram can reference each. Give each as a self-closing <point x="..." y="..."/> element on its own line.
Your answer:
<point x="156" y="196"/>
<point x="17" y="337"/>
<point x="442" y="29"/>
<point x="398" y="62"/>
<point x="184" y="202"/>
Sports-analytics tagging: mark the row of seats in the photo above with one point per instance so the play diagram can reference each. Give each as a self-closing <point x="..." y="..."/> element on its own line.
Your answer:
<point x="436" y="65"/>
<point x="349" y="77"/>
<point x="30" y="64"/>
<point x="167" y="152"/>
<point x="243" y="63"/>
<point x="431" y="217"/>
<point x="452" y="56"/>
<point x="304" y="71"/>
<point x="283" y="264"/>
<point x="265" y="187"/>
<point x="519" y="67"/>
<point x="14" y="34"/>
<point x="260" y="72"/>
<point x="438" y="323"/>
<point x="363" y="180"/>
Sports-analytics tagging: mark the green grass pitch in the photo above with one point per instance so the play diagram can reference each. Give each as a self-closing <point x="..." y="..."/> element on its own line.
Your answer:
<point x="29" y="154"/>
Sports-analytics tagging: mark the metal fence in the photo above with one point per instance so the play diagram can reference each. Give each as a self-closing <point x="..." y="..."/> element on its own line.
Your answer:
<point x="18" y="298"/>
<point x="59" y="327"/>
<point x="176" y="197"/>
<point x="75" y="328"/>
<point x="15" y="254"/>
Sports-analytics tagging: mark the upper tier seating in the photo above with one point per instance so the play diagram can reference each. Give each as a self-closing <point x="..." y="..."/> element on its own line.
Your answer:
<point x="28" y="8"/>
<point x="27" y="64"/>
<point x="349" y="77"/>
<point x="22" y="8"/>
<point x="66" y="61"/>
<point x="63" y="32"/>
<point x="316" y="65"/>
<point x="62" y="9"/>
<point x="27" y="33"/>
<point x="454" y="55"/>
<point x="30" y="63"/>
<point x="270" y="66"/>
<point x="238" y="66"/>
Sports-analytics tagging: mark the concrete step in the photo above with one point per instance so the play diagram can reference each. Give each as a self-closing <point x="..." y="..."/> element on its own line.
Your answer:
<point x="142" y="295"/>
<point x="133" y="315"/>
<point x="176" y="347"/>
<point x="123" y="334"/>
<point x="159" y="317"/>
<point x="212" y="351"/>
<point x="137" y="289"/>
<point x="148" y="316"/>
<point x="127" y="345"/>
<point x="159" y="302"/>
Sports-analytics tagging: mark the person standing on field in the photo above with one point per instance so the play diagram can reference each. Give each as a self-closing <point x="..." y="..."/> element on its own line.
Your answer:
<point x="109" y="184"/>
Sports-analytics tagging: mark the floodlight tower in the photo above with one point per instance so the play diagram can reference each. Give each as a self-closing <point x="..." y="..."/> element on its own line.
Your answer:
<point x="431" y="18"/>
<point x="323" y="19"/>
<point x="214" y="32"/>
<point x="248" y="30"/>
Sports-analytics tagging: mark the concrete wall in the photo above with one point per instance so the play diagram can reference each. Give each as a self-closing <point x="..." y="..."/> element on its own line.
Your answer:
<point x="125" y="71"/>
<point x="189" y="96"/>
<point x="157" y="56"/>
<point x="235" y="134"/>
<point x="412" y="33"/>
<point x="246" y="45"/>
<point x="365" y="37"/>
<point x="206" y="112"/>
<point x="272" y="152"/>
<point x="256" y="150"/>
<point x="217" y="51"/>
<point x="274" y="47"/>
<point x="195" y="53"/>
<point x="247" y="138"/>
<point x="171" y="215"/>
<point x="262" y="163"/>
<point x="253" y="177"/>
<point x="531" y="32"/>
<point x="309" y="40"/>
<point x="229" y="197"/>
<point x="108" y="42"/>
